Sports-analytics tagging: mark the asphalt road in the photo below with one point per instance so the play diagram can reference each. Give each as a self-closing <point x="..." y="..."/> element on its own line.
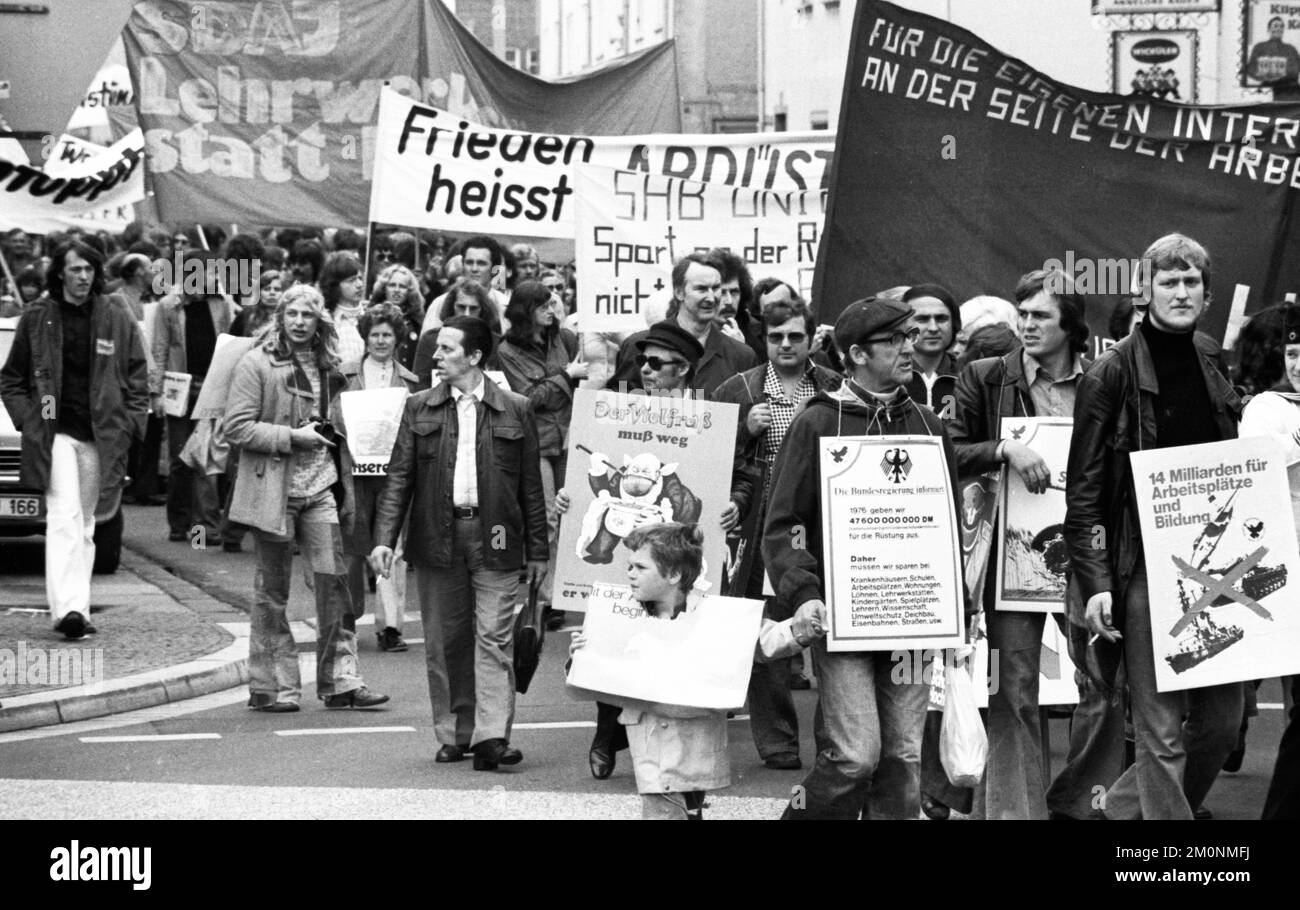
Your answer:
<point x="212" y="757"/>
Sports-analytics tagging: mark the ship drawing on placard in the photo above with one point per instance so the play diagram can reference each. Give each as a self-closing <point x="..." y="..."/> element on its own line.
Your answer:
<point x="1200" y="638"/>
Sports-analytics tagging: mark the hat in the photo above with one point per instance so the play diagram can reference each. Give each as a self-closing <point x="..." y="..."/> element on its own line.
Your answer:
<point x="1291" y="325"/>
<point x="668" y="334"/>
<point x="867" y="318"/>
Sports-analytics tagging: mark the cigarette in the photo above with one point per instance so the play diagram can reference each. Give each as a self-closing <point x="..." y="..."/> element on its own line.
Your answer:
<point x="1092" y="641"/>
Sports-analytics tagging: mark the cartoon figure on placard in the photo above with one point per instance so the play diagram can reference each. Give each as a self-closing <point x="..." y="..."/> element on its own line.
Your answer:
<point x="644" y="491"/>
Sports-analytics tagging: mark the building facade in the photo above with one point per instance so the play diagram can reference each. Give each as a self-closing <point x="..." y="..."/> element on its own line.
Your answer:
<point x="806" y="44"/>
<point x="717" y="50"/>
<point x="507" y="27"/>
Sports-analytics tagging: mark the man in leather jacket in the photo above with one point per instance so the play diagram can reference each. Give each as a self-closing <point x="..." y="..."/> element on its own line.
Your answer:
<point x="1155" y="389"/>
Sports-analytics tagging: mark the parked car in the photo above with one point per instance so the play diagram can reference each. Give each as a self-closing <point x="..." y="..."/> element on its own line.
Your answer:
<point x="22" y="509"/>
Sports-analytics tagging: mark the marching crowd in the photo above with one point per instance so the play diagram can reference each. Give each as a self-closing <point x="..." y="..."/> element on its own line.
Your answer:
<point x="473" y="498"/>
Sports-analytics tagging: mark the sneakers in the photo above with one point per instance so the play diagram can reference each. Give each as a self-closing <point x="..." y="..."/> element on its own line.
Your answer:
<point x="391" y="640"/>
<point x="72" y="626"/>
<point x="357" y="698"/>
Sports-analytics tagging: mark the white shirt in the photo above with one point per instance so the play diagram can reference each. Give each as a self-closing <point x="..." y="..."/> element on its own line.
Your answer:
<point x="376" y="375"/>
<point x="465" y="485"/>
<point x="352" y="347"/>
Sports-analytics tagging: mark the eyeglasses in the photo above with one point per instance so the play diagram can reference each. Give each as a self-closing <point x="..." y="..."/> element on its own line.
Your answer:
<point x="911" y="335"/>
<point x="657" y="363"/>
<point x="795" y="338"/>
<point x="384" y="255"/>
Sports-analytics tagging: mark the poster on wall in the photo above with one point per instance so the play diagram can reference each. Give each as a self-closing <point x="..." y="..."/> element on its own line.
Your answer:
<point x="1155" y="64"/>
<point x="1270" y="35"/>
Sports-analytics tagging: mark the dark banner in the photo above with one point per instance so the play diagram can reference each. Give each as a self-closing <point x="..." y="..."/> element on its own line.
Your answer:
<point x="960" y="165"/>
<point x="265" y="112"/>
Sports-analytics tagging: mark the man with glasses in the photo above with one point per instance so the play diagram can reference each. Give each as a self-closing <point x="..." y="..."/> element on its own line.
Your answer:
<point x="873" y="719"/>
<point x="697" y="287"/>
<point x="769" y="396"/>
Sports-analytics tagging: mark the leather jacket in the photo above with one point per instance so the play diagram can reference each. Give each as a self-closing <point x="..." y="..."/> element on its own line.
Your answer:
<point x="422" y="472"/>
<point x="1114" y="415"/>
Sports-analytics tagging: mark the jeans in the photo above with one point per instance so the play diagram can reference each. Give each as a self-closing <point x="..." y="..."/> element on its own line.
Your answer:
<point x="1013" y="786"/>
<point x="390" y="592"/>
<point x="468" y="613"/>
<point x="1182" y="738"/>
<point x="1283" y="800"/>
<point x="1096" y="757"/>
<point x="272" y="655"/>
<point x="553" y="468"/>
<point x="191" y="495"/>
<point x="70" y="504"/>
<point x="874" y="726"/>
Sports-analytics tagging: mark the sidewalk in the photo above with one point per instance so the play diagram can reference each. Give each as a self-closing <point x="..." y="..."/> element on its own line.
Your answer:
<point x="160" y="639"/>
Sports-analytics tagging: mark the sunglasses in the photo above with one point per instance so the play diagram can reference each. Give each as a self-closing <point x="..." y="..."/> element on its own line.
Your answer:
<point x="657" y="363"/>
<point x="384" y="255"/>
<point x="794" y="338"/>
<point x="897" y="339"/>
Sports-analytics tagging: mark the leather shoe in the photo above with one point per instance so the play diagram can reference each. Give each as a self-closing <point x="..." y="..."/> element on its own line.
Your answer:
<point x="357" y="698"/>
<point x="449" y="755"/>
<point x="601" y="760"/>
<point x="72" y="626"/>
<point x="493" y="752"/>
<point x="276" y="707"/>
<point x="934" y="809"/>
<point x="784" y="762"/>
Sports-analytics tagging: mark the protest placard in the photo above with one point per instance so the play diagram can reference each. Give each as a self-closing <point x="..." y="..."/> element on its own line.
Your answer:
<point x="176" y="394"/>
<point x="1221" y="550"/>
<point x="1031" y="526"/>
<point x="637" y="459"/>
<point x="978" y="517"/>
<point x="892" y="550"/>
<point x="700" y="659"/>
<point x="633" y="226"/>
<point x="372" y="418"/>
<point x="441" y="171"/>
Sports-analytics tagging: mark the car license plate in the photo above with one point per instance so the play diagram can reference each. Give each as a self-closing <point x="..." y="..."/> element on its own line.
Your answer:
<point x="20" y="507"/>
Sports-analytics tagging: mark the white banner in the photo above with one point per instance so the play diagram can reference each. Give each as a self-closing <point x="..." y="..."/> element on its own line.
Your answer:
<point x="1031" y="526"/>
<point x="372" y="418"/>
<point x="86" y="185"/>
<point x="701" y="659"/>
<point x="892" y="552"/>
<point x="633" y="226"/>
<point x="439" y="171"/>
<point x="1221" y="551"/>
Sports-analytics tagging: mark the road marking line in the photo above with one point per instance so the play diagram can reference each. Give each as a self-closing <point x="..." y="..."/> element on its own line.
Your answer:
<point x="588" y="724"/>
<point x="414" y="641"/>
<point x="340" y="731"/>
<point x="159" y="738"/>
<point x="1271" y="707"/>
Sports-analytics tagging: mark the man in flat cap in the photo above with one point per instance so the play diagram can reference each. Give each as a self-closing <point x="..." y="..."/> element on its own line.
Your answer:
<point x="873" y="723"/>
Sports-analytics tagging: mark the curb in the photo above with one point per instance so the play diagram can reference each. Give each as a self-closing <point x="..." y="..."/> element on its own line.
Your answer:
<point x="224" y="669"/>
<point x="217" y="672"/>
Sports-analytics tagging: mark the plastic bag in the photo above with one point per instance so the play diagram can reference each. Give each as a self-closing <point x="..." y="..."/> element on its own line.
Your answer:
<point x="963" y="742"/>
